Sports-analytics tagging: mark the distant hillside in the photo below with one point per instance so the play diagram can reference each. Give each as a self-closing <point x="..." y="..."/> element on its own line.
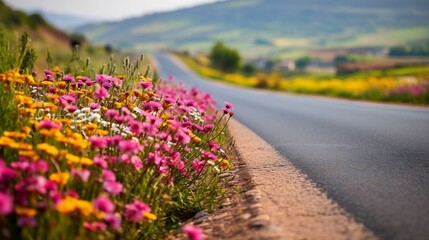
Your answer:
<point x="272" y="26"/>
<point x="65" y="21"/>
<point x="39" y="29"/>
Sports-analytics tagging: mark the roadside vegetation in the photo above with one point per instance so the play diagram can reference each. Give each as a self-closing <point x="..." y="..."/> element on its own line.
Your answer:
<point x="103" y="152"/>
<point x="405" y="83"/>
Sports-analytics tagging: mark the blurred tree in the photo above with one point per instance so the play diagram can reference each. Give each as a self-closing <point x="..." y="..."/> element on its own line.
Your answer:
<point x="249" y="69"/>
<point x="225" y="58"/>
<point x="303" y="62"/>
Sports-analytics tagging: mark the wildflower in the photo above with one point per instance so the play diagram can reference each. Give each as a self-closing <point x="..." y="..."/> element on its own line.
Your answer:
<point x="84" y="174"/>
<point x="146" y="84"/>
<point x="101" y="93"/>
<point x="198" y="165"/>
<point x="104" y="204"/>
<point x="225" y="164"/>
<point x="134" y="212"/>
<point x="228" y="108"/>
<point x="68" y="78"/>
<point x="94" y="226"/>
<point x="99" y="161"/>
<point x="61" y="178"/>
<point x="113" y="221"/>
<point x="6" y="203"/>
<point x="97" y="142"/>
<point x="66" y="205"/>
<point x="49" y="149"/>
<point x="136" y="127"/>
<point x="182" y="137"/>
<point x="111" y="113"/>
<point x="193" y="232"/>
<point x="112" y="187"/>
<point x="137" y="162"/>
<point x="27" y="212"/>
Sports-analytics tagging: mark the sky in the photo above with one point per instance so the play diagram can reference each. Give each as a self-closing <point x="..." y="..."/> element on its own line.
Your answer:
<point x="104" y="9"/>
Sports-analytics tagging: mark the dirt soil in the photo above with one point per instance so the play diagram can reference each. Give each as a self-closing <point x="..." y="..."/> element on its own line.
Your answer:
<point x="268" y="198"/>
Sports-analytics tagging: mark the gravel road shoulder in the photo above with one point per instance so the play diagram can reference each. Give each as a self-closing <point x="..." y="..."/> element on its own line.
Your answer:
<point x="270" y="199"/>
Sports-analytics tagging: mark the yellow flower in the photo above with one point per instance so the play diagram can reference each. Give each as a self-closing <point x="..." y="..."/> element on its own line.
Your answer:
<point x="149" y="216"/>
<point x="118" y="105"/>
<point x="26" y="129"/>
<point x="29" y="154"/>
<point x="61" y="178"/>
<point x="56" y="70"/>
<point x="47" y="83"/>
<point x="84" y="207"/>
<point x="49" y="149"/>
<point x="17" y="135"/>
<point x="70" y="204"/>
<point x="6" y="142"/>
<point x="194" y="138"/>
<point x="48" y="132"/>
<point x="22" y="211"/>
<point x="224" y="163"/>
<point x="66" y="205"/>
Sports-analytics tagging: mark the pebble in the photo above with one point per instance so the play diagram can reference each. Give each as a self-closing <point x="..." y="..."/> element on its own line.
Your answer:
<point x="245" y="216"/>
<point x="259" y="221"/>
<point x="221" y="216"/>
<point x="200" y="214"/>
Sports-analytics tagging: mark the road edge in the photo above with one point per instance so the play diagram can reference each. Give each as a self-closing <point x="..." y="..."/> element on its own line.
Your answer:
<point x="294" y="206"/>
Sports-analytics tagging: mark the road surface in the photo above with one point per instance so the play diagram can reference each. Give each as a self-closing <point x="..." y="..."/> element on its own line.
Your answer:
<point x="372" y="159"/>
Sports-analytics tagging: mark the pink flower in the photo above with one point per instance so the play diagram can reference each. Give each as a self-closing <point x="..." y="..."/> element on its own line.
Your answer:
<point x="48" y="125"/>
<point x="104" y="204"/>
<point x="136" y="127"/>
<point x="137" y="162"/>
<point x="228" y="109"/>
<point x="112" y="187"/>
<point x="130" y="147"/>
<point x="108" y="175"/>
<point x="146" y="85"/>
<point x="111" y="113"/>
<point x="6" y="173"/>
<point x="99" y="161"/>
<point x="101" y="93"/>
<point x="94" y="226"/>
<point x="193" y="232"/>
<point x="84" y="174"/>
<point x="135" y="211"/>
<point x="71" y="108"/>
<point x="68" y="78"/>
<point x="182" y="137"/>
<point x="97" y="142"/>
<point x="113" y="221"/>
<point x="94" y="106"/>
<point x="198" y="165"/>
<point x="6" y="204"/>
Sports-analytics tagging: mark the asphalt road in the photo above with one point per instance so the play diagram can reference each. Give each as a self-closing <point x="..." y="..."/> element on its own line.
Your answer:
<point x="372" y="159"/>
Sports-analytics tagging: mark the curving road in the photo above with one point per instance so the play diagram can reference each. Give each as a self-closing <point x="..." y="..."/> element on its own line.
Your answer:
<point x="372" y="159"/>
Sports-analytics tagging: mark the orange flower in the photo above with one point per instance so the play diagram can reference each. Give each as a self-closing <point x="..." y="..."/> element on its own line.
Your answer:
<point x="61" y="178"/>
<point x="49" y="149"/>
<point x="22" y="211"/>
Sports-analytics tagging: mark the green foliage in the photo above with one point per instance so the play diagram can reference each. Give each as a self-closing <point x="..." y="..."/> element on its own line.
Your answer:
<point x="249" y="69"/>
<point x="410" y="50"/>
<point x="225" y="58"/>
<point x="302" y="63"/>
<point x="16" y="55"/>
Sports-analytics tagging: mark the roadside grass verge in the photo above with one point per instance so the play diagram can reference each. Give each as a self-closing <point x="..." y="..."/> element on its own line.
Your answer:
<point x="404" y="85"/>
<point x="111" y="153"/>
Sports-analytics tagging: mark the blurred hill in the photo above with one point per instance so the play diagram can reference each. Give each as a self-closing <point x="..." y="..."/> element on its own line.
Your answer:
<point x="272" y="27"/>
<point x="41" y="32"/>
<point x="66" y="21"/>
